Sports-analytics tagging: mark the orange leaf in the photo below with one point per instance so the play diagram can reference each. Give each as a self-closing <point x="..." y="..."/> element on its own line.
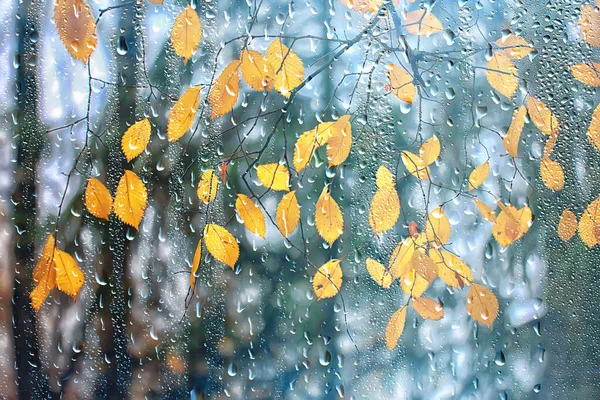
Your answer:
<point x="98" y="199"/>
<point x="76" y="27"/>
<point x="225" y="90"/>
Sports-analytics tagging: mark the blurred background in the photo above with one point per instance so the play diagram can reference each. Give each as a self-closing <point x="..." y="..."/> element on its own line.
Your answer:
<point x="258" y="331"/>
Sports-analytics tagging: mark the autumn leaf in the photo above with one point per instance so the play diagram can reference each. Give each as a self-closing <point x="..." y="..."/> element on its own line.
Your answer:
<point x="310" y="140"/>
<point x="379" y="273"/>
<point x="502" y="74"/>
<point x="363" y="6"/>
<point x="385" y="205"/>
<point x="401" y="83"/>
<point x="513" y="136"/>
<point x="587" y="73"/>
<point x="413" y="283"/>
<point x="98" y="199"/>
<point x="438" y="227"/>
<point x="225" y="90"/>
<point x="207" y="186"/>
<point x="135" y="139"/>
<point x="401" y="258"/>
<point x="328" y="217"/>
<point x="541" y="116"/>
<point x="485" y="210"/>
<point x="257" y="71"/>
<point x="69" y="278"/>
<point x="422" y="23"/>
<point x="424" y="266"/>
<point x="478" y="175"/>
<point x="567" y="226"/>
<point x="195" y="264"/>
<point x="186" y="33"/>
<point x="588" y="224"/>
<point x="288" y="68"/>
<point x="394" y="328"/>
<point x="288" y="214"/>
<point x="450" y="268"/>
<point x="339" y="141"/>
<point x="274" y="176"/>
<point x="482" y="305"/>
<point x="44" y="274"/>
<point x="55" y="269"/>
<point x="514" y="46"/>
<point x="593" y="133"/>
<point x="589" y="24"/>
<point x="328" y="280"/>
<point x="552" y="174"/>
<point x="428" y="308"/>
<point x="76" y="28"/>
<point x="415" y="165"/>
<point x="221" y="244"/>
<point x="131" y="198"/>
<point x="183" y="113"/>
<point x="253" y="218"/>
<point x="384" y="179"/>
<point x="430" y="150"/>
<point x="511" y="224"/>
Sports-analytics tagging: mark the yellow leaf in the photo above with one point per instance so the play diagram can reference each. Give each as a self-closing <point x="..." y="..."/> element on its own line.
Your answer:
<point x="450" y="268"/>
<point x="478" y="175"/>
<point x="588" y="73"/>
<point x="401" y="83"/>
<point x="76" y="27"/>
<point x="401" y="258"/>
<point x="310" y="140"/>
<point x="257" y="71"/>
<point x="253" y="218"/>
<point x="438" y="227"/>
<point x="384" y="211"/>
<point x="589" y="223"/>
<point x="541" y="116"/>
<point x="328" y="280"/>
<point x="430" y="150"/>
<point x="394" y="328"/>
<point x="511" y="141"/>
<point x="183" y="113"/>
<point x="207" y="186"/>
<point x="224" y="92"/>
<point x="221" y="244"/>
<point x="511" y="224"/>
<point x="130" y="199"/>
<point x="135" y="139"/>
<point x="502" y="75"/>
<point x="379" y="273"/>
<point x="428" y="308"/>
<point x="593" y="133"/>
<point x="567" y="225"/>
<point x="44" y="274"/>
<point x="482" y="305"/>
<point x="274" y="176"/>
<point x="186" y="33"/>
<point x="413" y="284"/>
<point x="589" y="23"/>
<point x="363" y="6"/>
<point x="328" y="217"/>
<point x="514" y="46"/>
<point x="98" y="199"/>
<point x="485" y="210"/>
<point x="69" y="278"/>
<point x="288" y="214"/>
<point x="552" y="174"/>
<point x="384" y="178"/>
<point x="422" y="23"/>
<point x="424" y="266"/>
<point x="415" y="165"/>
<point x="288" y="68"/>
<point x="195" y="264"/>
<point x="339" y="141"/>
